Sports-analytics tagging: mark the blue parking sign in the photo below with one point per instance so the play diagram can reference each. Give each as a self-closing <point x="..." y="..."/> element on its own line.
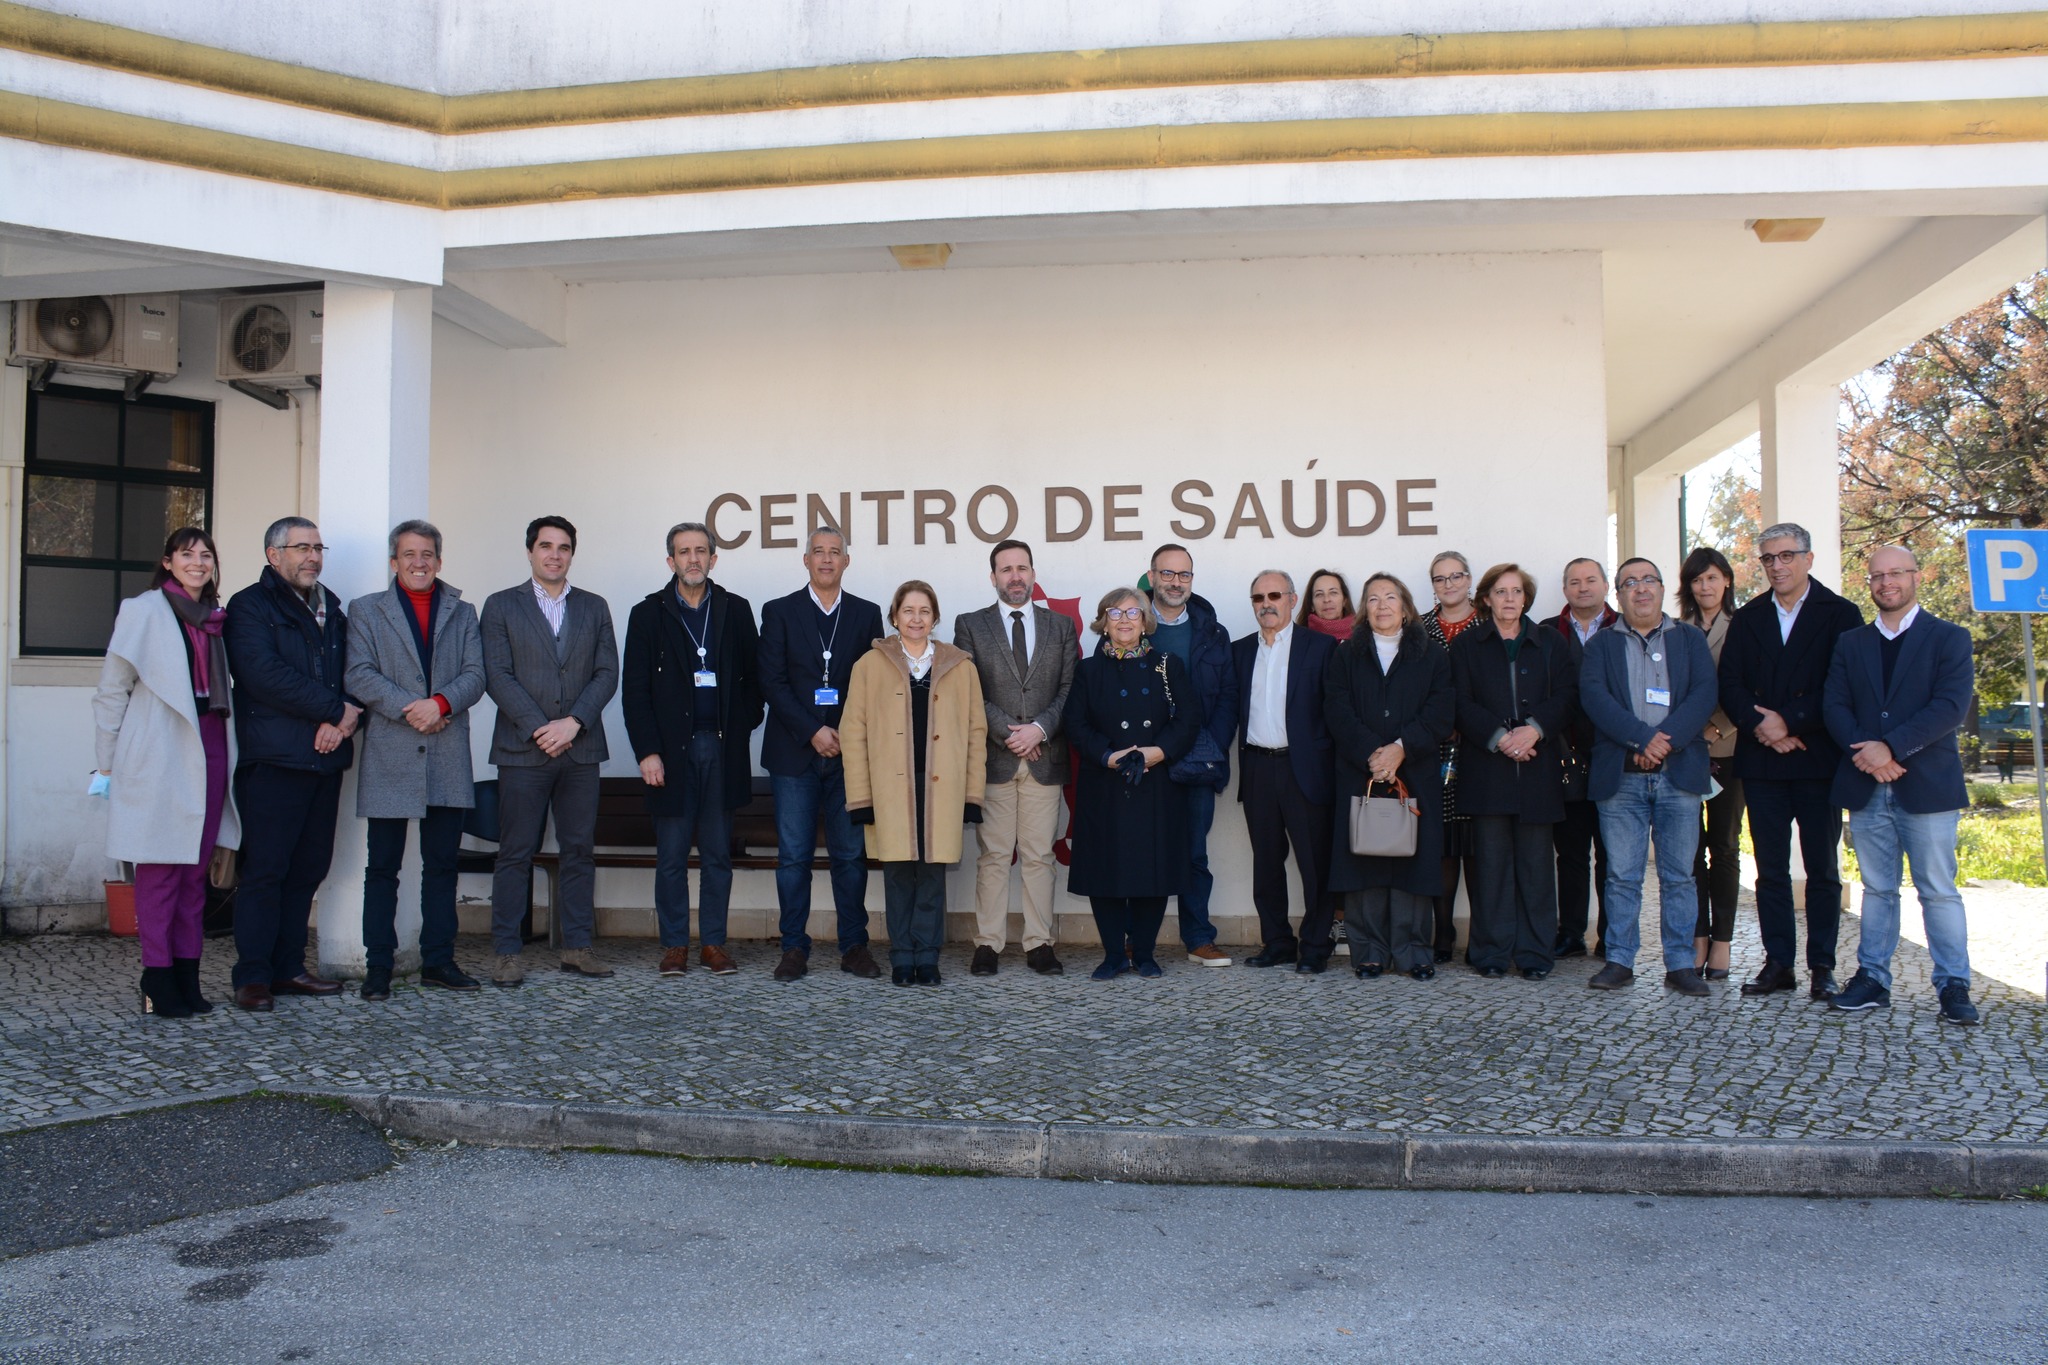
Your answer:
<point x="2008" y="570"/>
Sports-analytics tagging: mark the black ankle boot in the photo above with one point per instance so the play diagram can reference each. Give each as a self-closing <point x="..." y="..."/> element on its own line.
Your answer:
<point x="185" y="972"/>
<point x="165" y="999"/>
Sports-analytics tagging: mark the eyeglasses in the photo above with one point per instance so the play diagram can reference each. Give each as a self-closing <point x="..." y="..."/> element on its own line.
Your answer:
<point x="1888" y="574"/>
<point x="1125" y="613"/>
<point x="1446" y="580"/>
<point x="1782" y="557"/>
<point x="1173" y="575"/>
<point x="1648" y="581"/>
<point x="1268" y="597"/>
<point x="301" y="548"/>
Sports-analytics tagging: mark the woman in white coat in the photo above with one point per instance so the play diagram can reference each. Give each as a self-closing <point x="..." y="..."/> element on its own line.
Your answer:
<point x="165" y="753"/>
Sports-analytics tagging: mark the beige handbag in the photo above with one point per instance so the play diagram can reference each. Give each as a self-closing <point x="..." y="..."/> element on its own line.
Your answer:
<point x="221" y="871"/>
<point x="1385" y="826"/>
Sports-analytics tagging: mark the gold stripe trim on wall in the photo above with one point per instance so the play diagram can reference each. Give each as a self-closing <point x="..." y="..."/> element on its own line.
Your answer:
<point x="1794" y="43"/>
<point x="1786" y="127"/>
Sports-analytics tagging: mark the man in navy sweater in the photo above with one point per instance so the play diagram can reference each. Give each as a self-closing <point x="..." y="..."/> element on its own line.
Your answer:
<point x="809" y="641"/>
<point x="1897" y="693"/>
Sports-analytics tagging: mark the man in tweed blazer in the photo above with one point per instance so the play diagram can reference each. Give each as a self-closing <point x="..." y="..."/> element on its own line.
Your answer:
<point x="416" y="663"/>
<point x="1025" y="655"/>
<point x="550" y="663"/>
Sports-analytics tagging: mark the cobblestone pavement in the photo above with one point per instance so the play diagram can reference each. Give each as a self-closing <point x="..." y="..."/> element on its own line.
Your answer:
<point x="1235" y="1047"/>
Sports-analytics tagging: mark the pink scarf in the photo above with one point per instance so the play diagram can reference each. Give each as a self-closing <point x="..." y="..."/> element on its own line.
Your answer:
<point x="209" y="650"/>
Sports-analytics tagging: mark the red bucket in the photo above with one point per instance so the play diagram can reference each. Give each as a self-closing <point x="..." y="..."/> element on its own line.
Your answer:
<point x="121" y="908"/>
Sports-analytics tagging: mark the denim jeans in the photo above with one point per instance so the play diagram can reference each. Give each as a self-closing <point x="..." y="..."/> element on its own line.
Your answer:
<point x="706" y="822"/>
<point x="1887" y="836"/>
<point x="440" y="846"/>
<point x="1195" y="929"/>
<point x="1647" y="805"/>
<point x="799" y="801"/>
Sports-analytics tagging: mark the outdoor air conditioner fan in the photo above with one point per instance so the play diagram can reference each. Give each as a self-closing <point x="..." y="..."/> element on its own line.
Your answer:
<point x="270" y="340"/>
<point x="262" y="339"/>
<point x="128" y="334"/>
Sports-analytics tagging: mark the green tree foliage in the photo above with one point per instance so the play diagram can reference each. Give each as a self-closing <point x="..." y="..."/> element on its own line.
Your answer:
<point x="1949" y="434"/>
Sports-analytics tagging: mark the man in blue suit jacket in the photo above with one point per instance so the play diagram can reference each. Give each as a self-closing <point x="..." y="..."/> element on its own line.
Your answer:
<point x="1897" y="693"/>
<point x="1286" y="771"/>
<point x="1648" y="687"/>
<point x="809" y="641"/>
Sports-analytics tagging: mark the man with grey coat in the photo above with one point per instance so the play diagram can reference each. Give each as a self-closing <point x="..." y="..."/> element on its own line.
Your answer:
<point x="1026" y="656"/>
<point x="416" y="663"/>
<point x="551" y="663"/>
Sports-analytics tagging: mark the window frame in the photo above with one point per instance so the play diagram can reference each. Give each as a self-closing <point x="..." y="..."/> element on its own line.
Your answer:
<point x="122" y="477"/>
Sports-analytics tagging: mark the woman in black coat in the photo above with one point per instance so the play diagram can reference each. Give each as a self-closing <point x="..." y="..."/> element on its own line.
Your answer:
<point x="1389" y="702"/>
<point x="1518" y="690"/>
<point x="1131" y="712"/>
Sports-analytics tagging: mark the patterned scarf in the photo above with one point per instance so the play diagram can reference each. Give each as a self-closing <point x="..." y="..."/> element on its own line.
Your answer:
<point x="202" y="625"/>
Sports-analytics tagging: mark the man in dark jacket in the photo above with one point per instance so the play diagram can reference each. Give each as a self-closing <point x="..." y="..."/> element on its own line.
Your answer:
<point x="294" y="725"/>
<point x="809" y="642"/>
<point x="1774" y="673"/>
<point x="1648" y="689"/>
<point x="1286" y="768"/>
<point x="1577" y="836"/>
<point x="1897" y="693"/>
<point x="1188" y="630"/>
<point x="691" y="702"/>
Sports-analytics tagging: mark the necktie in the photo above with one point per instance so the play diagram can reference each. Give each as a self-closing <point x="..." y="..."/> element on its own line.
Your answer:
<point x="1023" y="655"/>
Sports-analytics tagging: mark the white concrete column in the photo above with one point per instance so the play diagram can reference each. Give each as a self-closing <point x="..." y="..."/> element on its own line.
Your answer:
<point x="1655" y="524"/>
<point x="376" y="357"/>
<point x="1801" y="469"/>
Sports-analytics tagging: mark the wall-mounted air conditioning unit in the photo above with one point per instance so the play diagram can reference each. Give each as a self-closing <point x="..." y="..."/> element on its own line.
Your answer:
<point x="271" y="339"/>
<point x="115" y="333"/>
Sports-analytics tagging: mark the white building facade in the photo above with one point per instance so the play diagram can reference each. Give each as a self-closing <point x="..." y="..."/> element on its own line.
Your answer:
<point x="1294" y="285"/>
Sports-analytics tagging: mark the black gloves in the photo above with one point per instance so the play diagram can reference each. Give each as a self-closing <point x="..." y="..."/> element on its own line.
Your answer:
<point x="864" y="815"/>
<point x="971" y="815"/>
<point x="1132" y="766"/>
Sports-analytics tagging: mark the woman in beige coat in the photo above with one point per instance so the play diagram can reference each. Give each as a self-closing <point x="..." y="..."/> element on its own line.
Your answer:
<point x="165" y="753"/>
<point x="913" y="741"/>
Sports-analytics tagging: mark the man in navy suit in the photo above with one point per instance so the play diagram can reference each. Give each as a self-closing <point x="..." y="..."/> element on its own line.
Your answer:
<point x="1286" y="772"/>
<point x="809" y="641"/>
<point x="1648" y="689"/>
<point x="1897" y="693"/>
<point x="1774" y="673"/>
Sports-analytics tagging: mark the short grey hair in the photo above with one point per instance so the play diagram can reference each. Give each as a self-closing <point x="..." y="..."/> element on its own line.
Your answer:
<point x="274" y="538"/>
<point x="1281" y="574"/>
<point x="415" y="527"/>
<point x="1787" y="530"/>
<point x="668" y="546"/>
<point x="824" y="528"/>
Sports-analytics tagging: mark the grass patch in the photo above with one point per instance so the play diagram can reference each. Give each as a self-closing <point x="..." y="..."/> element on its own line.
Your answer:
<point x="1995" y="840"/>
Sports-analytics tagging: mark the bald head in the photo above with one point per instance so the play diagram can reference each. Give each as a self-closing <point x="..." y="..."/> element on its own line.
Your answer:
<point x="1894" y="581"/>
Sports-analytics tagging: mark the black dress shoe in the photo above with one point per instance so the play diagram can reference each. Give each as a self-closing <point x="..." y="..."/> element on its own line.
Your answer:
<point x="376" y="984"/>
<point x="901" y="976"/>
<point x="1773" y="977"/>
<point x="1535" y="973"/>
<point x="1312" y="964"/>
<point x="984" y="963"/>
<point x="1714" y="973"/>
<point x="1044" y="961"/>
<point x="927" y="975"/>
<point x="1276" y="955"/>
<point x="1423" y="973"/>
<point x="1569" y="947"/>
<point x="1821" y="984"/>
<point x="1443" y="955"/>
<point x="448" y="977"/>
<point x="1492" y="973"/>
<point x="1368" y="971"/>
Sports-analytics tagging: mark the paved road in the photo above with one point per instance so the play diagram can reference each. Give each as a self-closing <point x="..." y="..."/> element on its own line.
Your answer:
<point x="521" y="1256"/>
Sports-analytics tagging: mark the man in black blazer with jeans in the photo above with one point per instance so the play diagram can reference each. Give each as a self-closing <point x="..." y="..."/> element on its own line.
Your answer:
<point x="1286" y="773"/>
<point x="1774" y="674"/>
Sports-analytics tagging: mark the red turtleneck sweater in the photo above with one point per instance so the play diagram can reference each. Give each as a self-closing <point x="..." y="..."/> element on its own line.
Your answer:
<point x="422" y="610"/>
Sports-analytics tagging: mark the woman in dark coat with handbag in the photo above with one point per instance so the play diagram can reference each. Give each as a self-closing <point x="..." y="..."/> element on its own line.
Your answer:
<point x="1389" y="702"/>
<point x="1131" y="712"/>
<point x="1518" y="690"/>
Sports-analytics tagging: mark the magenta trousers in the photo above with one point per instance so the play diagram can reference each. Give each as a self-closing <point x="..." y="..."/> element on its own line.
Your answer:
<point x="170" y="898"/>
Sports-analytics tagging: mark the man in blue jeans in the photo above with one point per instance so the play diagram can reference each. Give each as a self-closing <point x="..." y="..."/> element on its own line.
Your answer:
<point x="1897" y="693"/>
<point x="1649" y="688"/>
<point x="1188" y="630"/>
<point x="809" y="642"/>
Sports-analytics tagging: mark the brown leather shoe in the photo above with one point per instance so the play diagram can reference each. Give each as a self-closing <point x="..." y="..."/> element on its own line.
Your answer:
<point x="1208" y="955"/>
<point x="860" y="962"/>
<point x="793" y="965"/>
<point x="255" y="996"/>
<point x="675" y="961"/>
<point x="716" y="960"/>
<point x="305" y="983"/>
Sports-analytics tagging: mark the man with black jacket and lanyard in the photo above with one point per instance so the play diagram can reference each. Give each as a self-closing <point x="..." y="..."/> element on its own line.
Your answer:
<point x="691" y="702"/>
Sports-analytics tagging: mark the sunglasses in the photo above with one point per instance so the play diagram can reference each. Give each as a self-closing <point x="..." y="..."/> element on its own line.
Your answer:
<point x="1268" y="597"/>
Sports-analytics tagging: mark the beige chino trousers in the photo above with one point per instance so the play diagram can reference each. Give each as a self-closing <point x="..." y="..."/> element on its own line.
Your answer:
<point x="1021" y="815"/>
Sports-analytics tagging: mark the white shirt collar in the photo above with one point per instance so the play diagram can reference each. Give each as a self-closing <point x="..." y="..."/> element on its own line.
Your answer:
<point x="920" y="664"/>
<point x="1280" y="640"/>
<point x="820" y="605"/>
<point x="1793" y="610"/>
<point x="1905" y="623"/>
<point x="540" y="591"/>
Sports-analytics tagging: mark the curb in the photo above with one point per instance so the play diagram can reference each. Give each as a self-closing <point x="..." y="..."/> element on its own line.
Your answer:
<point x="1825" y="1168"/>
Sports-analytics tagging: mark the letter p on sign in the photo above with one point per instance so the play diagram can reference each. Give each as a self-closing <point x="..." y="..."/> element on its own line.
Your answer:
<point x="2008" y="570"/>
<point x="2008" y="562"/>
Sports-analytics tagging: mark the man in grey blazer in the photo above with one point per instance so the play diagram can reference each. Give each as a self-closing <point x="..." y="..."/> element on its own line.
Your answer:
<point x="1025" y="655"/>
<point x="416" y="663"/>
<point x="550" y="663"/>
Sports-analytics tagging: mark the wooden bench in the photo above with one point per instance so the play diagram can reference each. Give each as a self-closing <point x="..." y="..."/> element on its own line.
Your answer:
<point x="2008" y="754"/>
<point x="625" y="839"/>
